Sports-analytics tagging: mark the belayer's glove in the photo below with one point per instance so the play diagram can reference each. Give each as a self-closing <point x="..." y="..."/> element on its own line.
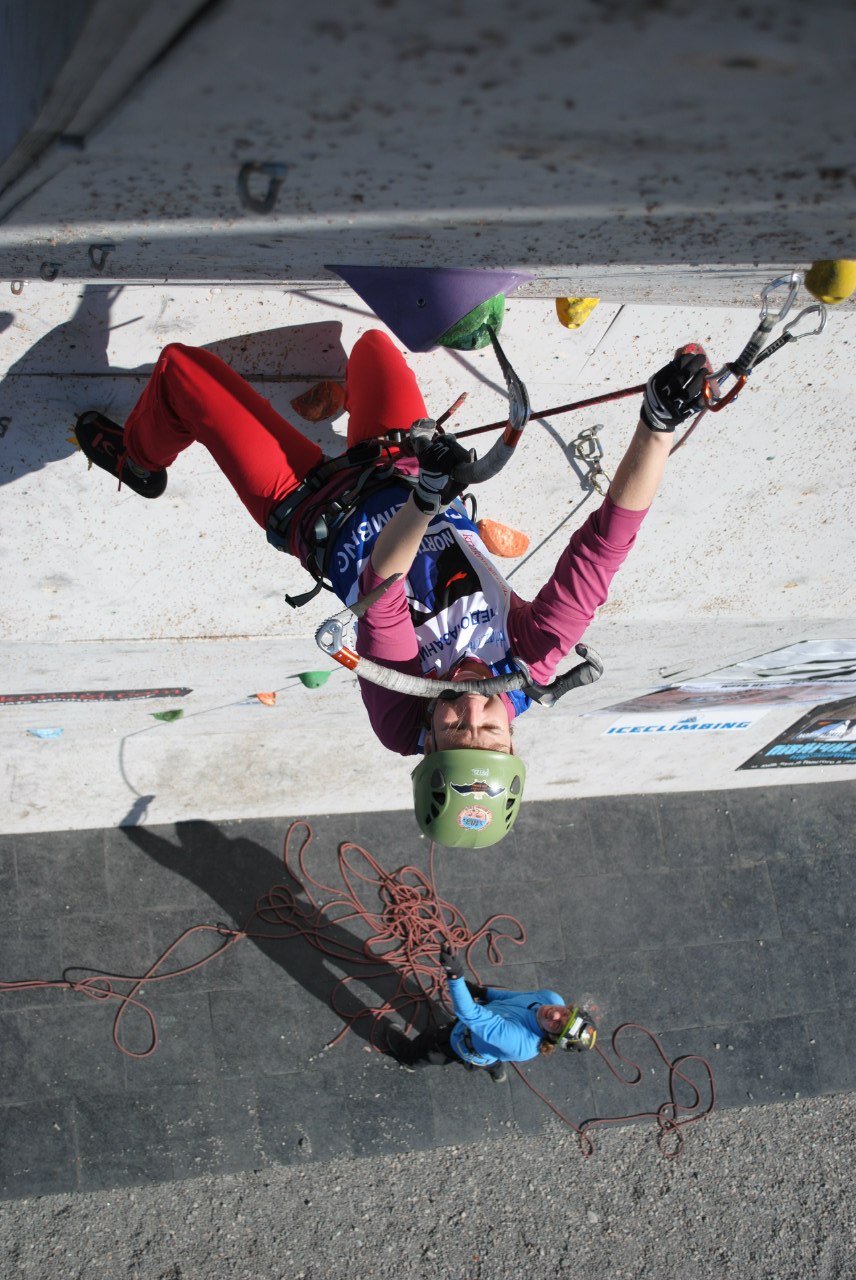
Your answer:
<point x="452" y="966"/>
<point x="674" y="393"/>
<point x="438" y="457"/>
<point x="478" y="993"/>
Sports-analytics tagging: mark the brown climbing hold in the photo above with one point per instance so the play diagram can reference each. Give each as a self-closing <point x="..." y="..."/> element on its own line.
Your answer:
<point x="324" y="400"/>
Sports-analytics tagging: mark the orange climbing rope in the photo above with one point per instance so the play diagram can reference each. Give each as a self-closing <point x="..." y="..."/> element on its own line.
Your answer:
<point x="407" y="922"/>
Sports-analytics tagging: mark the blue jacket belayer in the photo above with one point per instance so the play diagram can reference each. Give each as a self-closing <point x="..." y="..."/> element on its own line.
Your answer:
<point x="504" y="1029"/>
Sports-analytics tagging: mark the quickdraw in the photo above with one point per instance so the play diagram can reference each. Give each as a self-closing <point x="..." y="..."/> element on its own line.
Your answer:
<point x="752" y="354"/>
<point x="755" y="351"/>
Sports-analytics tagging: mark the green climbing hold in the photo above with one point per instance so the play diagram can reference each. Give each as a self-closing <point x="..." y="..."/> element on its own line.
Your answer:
<point x="167" y="715"/>
<point x="473" y="331"/>
<point x="313" y="679"/>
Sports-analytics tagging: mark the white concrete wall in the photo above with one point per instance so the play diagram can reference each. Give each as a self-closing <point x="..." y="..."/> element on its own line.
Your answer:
<point x="667" y="158"/>
<point x="749" y="547"/>
<point x="587" y="142"/>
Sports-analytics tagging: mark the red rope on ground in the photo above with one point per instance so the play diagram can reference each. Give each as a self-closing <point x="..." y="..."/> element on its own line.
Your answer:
<point x="103" y="986"/>
<point x="406" y="932"/>
<point x="667" y="1114"/>
<point x="407" y="923"/>
<point x="406" y="929"/>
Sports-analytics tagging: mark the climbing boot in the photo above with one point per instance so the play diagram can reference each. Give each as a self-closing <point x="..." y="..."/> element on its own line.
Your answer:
<point x="103" y="443"/>
<point x="400" y="1048"/>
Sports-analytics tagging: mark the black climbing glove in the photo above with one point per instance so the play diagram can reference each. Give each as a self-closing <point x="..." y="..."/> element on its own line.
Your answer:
<point x="438" y="456"/>
<point x="675" y="392"/>
<point x="452" y="966"/>
<point x="479" y="994"/>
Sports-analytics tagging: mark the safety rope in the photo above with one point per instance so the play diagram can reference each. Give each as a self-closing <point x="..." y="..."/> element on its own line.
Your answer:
<point x="407" y="923"/>
<point x="538" y="414"/>
<point x="672" y="1117"/>
<point x="755" y="352"/>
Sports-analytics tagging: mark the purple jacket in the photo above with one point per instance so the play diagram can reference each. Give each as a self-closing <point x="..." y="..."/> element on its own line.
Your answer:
<point x="541" y="632"/>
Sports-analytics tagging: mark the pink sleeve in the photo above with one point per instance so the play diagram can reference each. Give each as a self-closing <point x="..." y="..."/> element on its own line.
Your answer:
<point x="545" y="630"/>
<point x="386" y="635"/>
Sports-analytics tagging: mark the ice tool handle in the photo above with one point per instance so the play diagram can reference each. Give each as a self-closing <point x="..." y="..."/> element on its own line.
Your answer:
<point x="519" y="410"/>
<point x="332" y="639"/>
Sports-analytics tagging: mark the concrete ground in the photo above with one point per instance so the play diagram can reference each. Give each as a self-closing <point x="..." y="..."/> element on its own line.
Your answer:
<point x="243" y="1147"/>
<point x="722" y="922"/>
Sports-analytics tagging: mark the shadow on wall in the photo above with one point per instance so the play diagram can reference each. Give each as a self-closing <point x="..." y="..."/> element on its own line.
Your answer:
<point x="234" y="873"/>
<point x="34" y="435"/>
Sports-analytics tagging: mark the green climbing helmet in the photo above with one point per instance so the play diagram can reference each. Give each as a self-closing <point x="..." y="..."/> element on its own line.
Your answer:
<point x="467" y="798"/>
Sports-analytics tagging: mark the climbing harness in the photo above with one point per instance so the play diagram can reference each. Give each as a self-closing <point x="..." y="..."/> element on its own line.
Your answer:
<point x="371" y="465"/>
<point x="373" y="462"/>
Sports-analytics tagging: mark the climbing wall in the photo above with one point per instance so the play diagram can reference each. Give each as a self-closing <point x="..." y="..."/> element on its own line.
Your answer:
<point x="201" y="166"/>
<point x="747" y="549"/>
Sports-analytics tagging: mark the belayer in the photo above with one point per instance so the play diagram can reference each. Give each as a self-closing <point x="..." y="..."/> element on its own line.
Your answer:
<point x="493" y="1026"/>
<point x="376" y="511"/>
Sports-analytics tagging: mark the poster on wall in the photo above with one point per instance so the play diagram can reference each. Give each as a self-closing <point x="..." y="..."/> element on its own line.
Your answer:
<point x="808" y="672"/>
<point x="826" y="735"/>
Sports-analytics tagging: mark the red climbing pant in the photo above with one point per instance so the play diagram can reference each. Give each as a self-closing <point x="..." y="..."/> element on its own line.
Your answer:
<point x="194" y="395"/>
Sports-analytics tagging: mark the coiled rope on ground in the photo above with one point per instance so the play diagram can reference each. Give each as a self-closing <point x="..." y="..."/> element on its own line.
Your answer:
<point x="406" y="923"/>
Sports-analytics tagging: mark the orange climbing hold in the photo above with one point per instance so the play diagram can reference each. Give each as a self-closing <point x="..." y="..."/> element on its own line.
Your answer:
<point x="502" y="540"/>
<point x="269" y="699"/>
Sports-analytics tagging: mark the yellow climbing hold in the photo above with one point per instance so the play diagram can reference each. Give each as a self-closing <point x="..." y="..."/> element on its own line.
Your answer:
<point x="573" y="312"/>
<point x="831" y="281"/>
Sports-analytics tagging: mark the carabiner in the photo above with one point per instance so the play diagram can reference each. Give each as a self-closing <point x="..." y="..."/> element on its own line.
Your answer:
<point x="332" y="635"/>
<point x="792" y="283"/>
<point x="807" y="311"/>
<point x="715" y="404"/>
<point x="588" y="448"/>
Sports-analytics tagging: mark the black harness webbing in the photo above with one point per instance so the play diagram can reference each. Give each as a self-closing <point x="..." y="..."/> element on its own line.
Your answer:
<point x="373" y="463"/>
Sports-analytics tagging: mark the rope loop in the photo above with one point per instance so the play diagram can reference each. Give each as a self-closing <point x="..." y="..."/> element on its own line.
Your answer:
<point x="406" y="924"/>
